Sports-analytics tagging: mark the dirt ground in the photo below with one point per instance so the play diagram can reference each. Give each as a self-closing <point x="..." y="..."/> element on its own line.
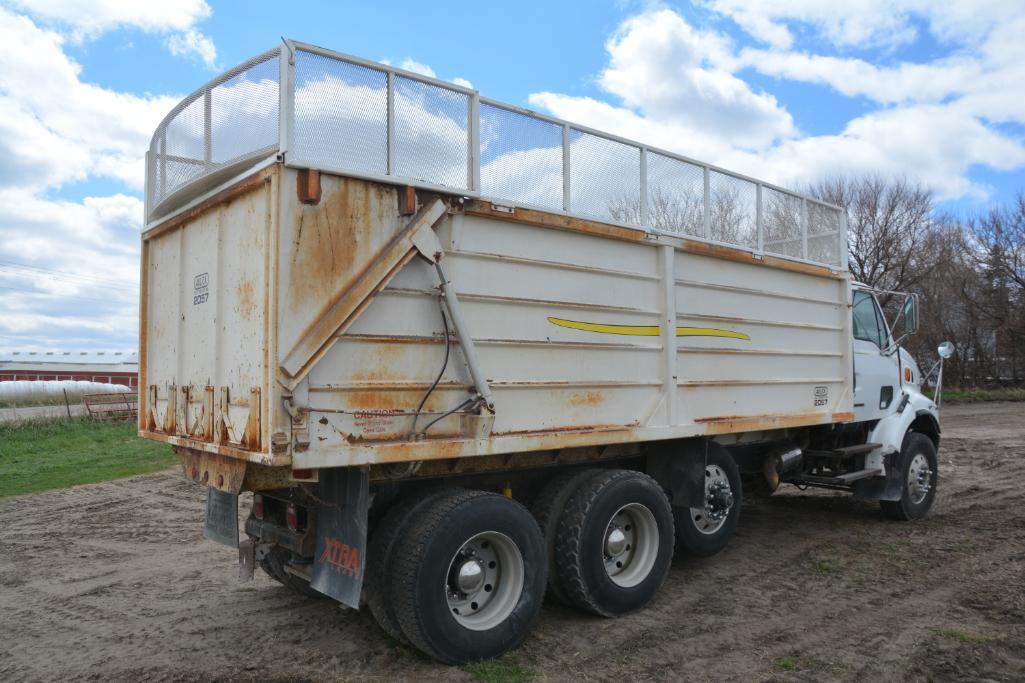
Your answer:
<point x="114" y="581"/>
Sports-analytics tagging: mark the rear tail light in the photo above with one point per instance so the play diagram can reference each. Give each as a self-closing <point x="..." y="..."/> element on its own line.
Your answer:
<point x="258" y="506"/>
<point x="292" y="517"/>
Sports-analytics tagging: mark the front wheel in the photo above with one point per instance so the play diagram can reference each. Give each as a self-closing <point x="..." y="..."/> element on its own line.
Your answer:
<point x="918" y="476"/>
<point x="704" y="531"/>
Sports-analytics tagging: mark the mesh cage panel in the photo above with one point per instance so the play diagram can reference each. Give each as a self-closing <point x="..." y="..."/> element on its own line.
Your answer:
<point x="781" y="223"/>
<point x="521" y="158"/>
<point x="676" y="195"/>
<point x="182" y="160"/>
<point x="605" y="178"/>
<point x="431" y="133"/>
<point x="244" y="113"/>
<point x="341" y="115"/>
<point x="733" y="209"/>
<point x="823" y="234"/>
<point x="216" y="129"/>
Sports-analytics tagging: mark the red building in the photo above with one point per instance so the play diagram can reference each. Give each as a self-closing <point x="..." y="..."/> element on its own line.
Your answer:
<point x="93" y="366"/>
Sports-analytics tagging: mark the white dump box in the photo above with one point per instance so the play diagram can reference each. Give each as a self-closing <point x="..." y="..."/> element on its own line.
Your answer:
<point x="306" y="209"/>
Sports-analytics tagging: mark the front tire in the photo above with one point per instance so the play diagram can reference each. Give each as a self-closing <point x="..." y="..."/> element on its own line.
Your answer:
<point x="704" y="531"/>
<point x="468" y="576"/>
<point x="918" y="475"/>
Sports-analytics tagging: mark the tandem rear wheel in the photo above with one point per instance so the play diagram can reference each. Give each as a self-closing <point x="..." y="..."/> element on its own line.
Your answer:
<point x="460" y="575"/>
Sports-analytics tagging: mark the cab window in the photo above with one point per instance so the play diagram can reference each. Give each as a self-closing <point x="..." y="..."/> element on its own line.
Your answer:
<point x="868" y="323"/>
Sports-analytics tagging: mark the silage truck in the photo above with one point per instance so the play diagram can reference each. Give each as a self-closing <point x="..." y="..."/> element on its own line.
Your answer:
<point x="465" y="355"/>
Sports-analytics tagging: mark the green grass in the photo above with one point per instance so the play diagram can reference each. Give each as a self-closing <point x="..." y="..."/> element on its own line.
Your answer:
<point x="981" y="395"/>
<point x="49" y="455"/>
<point x="505" y="669"/>
<point x="824" y="567"/>
<point x="960" y="636"/>
<point x="788" y="663"/>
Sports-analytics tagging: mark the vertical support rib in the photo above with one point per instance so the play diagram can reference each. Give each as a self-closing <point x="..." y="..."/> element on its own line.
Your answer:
<point x="844" y="252"/>
<point x="667" y="263"/>
<point x="208" y="133"/>
<point x="473" y="153"/>
<point x="286" y="98"/>
<point x="759" y="217"/>
<point x="804" y="228"/>
<point x="708" y="206"/>
<point x="163" y="164"/>
<point x="565" y="168"/>
<point x="390" y="127"/>
<point x="644" y="188"/>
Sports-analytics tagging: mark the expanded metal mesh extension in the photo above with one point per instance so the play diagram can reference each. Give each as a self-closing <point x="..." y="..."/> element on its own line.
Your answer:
<point x="218" y="129"/>
<point x="520" y="158"/>
<point x="432" y="139"/>
<point x="781" y="223"/>
<point x="676" y="195"/>
<point x="341" y="114"/>
<point x="604" y="178"/>
<point x="350" y="116"/>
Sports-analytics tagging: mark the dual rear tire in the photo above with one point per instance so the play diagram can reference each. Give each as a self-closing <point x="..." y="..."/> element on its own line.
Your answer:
<point x="461" y="575"/>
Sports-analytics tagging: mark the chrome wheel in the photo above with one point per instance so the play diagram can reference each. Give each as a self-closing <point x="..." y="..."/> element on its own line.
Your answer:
<point x="718" y="501"/>
<point x="630" y="546"/>
<point x="919" y="479"/>
<point x="484" y="581"/>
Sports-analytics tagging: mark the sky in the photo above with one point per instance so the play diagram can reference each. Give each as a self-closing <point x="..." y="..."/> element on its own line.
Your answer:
<point x="789" y="91"/>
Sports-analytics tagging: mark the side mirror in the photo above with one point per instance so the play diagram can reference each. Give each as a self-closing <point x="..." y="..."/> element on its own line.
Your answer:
<point x="945" y="349"/>
<point x="911" y="315"/>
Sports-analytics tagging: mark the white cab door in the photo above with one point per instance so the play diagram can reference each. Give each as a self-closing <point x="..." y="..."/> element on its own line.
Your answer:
<point x="876" y="376"/>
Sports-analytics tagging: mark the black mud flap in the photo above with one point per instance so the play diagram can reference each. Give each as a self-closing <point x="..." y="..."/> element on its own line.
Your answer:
<point x="679" y="466"/>
<point x="221" y="521"/>
<point x="341" y="533"/>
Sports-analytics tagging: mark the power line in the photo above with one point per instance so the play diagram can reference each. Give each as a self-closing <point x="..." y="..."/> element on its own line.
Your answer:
<point x="73" y="278"/>
<point x="71" y="297"/>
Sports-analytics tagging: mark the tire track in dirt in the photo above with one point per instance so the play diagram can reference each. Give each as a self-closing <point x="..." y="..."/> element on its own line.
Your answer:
<point x="114" y="581"/>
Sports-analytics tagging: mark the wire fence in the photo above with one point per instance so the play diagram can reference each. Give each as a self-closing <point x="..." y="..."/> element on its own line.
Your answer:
<point x="338" y="113"/>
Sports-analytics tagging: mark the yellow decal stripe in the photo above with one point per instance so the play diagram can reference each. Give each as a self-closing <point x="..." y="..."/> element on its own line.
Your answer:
<point x="646" y="330"/>
<point x="710" y="332"/>
<point x="632" y="330"/>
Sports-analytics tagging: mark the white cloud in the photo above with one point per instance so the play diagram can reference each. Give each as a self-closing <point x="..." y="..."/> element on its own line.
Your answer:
<point x="417" y="68"/>
<point x="866" y="23"/>
<point x="88" y="19"/>
<point x="680" y="88"/>
<point x="59" y="129"/>
<point x="425" y="70"/>
<point x="667" y="70"/>
<point x="192" y="43"/>
<point x="81" y="288"/>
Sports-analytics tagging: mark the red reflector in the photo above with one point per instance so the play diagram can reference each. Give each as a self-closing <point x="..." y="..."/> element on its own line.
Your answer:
<point x="302" y="474"/>
<point x="292" y="517"/>
<point x="258" y="506"/>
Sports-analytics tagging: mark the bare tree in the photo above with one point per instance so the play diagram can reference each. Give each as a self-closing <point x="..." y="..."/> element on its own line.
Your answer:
<point x="670" y="210"/>
<point x="887" y="221"/>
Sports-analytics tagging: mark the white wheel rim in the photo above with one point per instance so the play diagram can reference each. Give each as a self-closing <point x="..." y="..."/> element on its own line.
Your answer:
<point x="630" y="545"/>
<point x="919" y="479"/>
<point x="710" y="518"/>
<point x="484" y="581"/>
